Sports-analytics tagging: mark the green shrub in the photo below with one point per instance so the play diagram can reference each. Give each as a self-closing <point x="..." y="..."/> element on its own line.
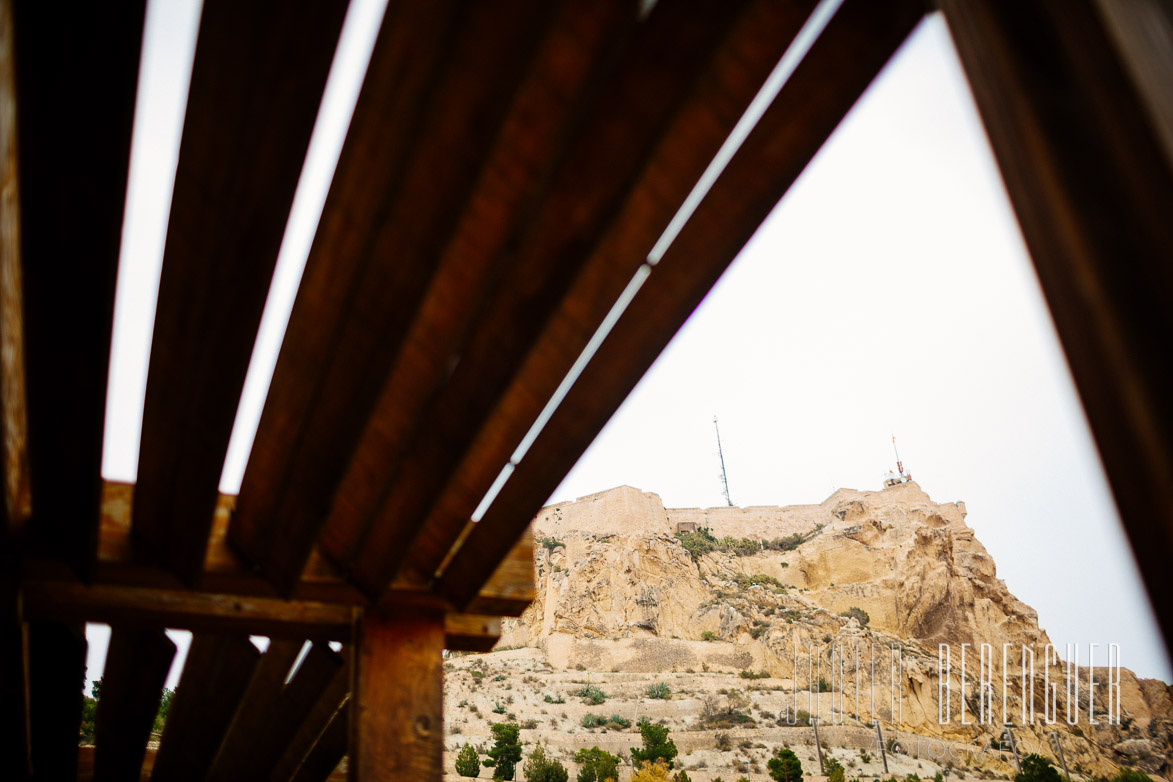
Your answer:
<point x="834" y="770"/>
<point x="499" y="677"/>
<point x="550" y="544"/>
<point x="698" y="543"/>
<point x="659" y="691"/>
<point x="618" y="722"/>
<point x="554" y="699"/>
<point x="1131" y="775"/>
<point x="592" y="695"/>
<point x="468" y="762"/>
<point x="748" y="674"/>
<point x="859" y="614"/>
<point x="760" y="579"/>
<point x="590" y="720"/>
<point x="1036" y="768"/>
<point x="709" y="635"/>
<point x="498" y="707"/>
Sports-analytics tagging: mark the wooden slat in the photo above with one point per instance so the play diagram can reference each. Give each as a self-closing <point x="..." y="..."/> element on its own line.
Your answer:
<point x="737" y="70"/>
<point x="612" y="146"/>
<point x="471" y="633"/>
<point x="1084" y="165"/>
<point x="511" y="584"/>
<point x="77" y="74"/>
<point x="189" y="610"/>
<point x="285" y="714"/>
<point x="328" y="751"/>
<point x="570" y="63"/>
<point x="434" y="95"/>
<point x="509" y="593"/>
<point x="256" y="85"/>
<point x="803" y="115"/>
<point x="317" y="720"/>
<point x="215" y="677"/>
<point x="13" y="414"/>
<point x="57" y="674"/>
<point x="397" y="694"/>
<point x="256" y="707"/>
<point x="63" y="601"/>
<point x="137" y="663"/>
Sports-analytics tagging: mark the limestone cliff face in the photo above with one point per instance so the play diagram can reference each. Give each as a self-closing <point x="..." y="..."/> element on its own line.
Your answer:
<point x="913" y="565"/>
<point x="618" y="591"/>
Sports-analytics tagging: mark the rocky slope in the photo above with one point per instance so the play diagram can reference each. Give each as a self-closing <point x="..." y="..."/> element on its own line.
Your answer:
<point x="803" y="593"/>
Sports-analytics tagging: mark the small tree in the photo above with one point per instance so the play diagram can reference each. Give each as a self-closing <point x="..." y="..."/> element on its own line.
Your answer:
<point x="834" y="769"/>
<point x="597" y="765"/>
<point x="468" y="762"/>
<point x="539" y="768"/>
<point x="680" y="776"/>
<point x="785" y="767"/>
<point x="657" y="745"/>
<point x="506" y="750"/>
<point x="1036" y="769"/>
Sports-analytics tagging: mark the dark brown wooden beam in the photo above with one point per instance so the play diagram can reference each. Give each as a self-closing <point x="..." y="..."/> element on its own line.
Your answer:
<point x="57" y="675"/>
<point x="650" y="83"/>
<point x="316" y="674"/>
<point x="328" y="750"/>
<point x="397" y="697"/>
<point x="256" y="86"/>
<point x="137" y="663"/>
<point x="740" y="64"/>
<point x="121" y="582"/>
<point x="435" y="93"/>
<point x="14" y="502"/>
<point x="312" y="726"/>
<point x="77" y="73"/>
<point x="215" y="677"/>
<point x="574" y="57"/>
<point x="15" y="762"/>
<point x="805" y="113"/>
<point x="150" y="607"/>
<point x="1092" y="185"/>
<point x="256" y="706"/>
<point x="188" y="610"/>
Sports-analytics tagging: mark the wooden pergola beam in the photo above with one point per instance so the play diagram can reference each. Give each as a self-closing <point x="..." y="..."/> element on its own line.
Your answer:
<point x="151" y="607"/>
<point x="1082" y="142"/>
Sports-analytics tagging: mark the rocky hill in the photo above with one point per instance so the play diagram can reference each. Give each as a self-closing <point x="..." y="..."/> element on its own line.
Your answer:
<point x="792" y="611"/>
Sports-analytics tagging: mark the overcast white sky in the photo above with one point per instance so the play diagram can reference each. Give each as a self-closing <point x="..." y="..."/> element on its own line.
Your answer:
<point x="889" y="293"/>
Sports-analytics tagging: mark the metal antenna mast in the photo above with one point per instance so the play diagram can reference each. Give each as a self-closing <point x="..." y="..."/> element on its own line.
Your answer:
<point x="721" y="454"/>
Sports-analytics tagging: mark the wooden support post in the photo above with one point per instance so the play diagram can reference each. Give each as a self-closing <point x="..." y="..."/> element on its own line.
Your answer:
<point x="397" y="693"/>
